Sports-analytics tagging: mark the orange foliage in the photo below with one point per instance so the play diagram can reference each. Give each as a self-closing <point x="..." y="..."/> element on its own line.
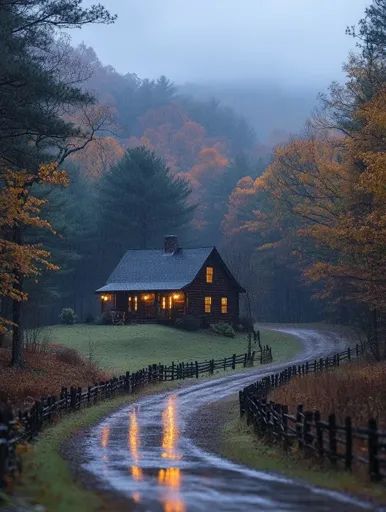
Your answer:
<point x="188" y="152"/>
<point x="326" y="203"/>
<point x="20" y="209"/>
<point x="177" y="139"/>
<point x="98" y="156"/>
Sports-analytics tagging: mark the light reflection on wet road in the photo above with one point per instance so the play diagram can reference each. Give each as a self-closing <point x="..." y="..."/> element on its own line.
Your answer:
<point x="143" y="453"/>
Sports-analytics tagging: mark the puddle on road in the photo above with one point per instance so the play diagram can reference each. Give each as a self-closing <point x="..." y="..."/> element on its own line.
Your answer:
<point x="169" y="475"/>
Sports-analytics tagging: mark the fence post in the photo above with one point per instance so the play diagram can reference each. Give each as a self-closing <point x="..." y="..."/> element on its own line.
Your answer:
<point x="349" y="353"/>
<point x="348" y="451"/>
<point x="299" y="413"/>
<point x="332" y="437"/>
<point x="72" y="397"/>
<point x="233" y="361"/>
<point x="307" y="436"/>
<point x="4" y="426"/>
<point x="284" y="420"/>
<point x="241" y="403"/>
<point x="127" y="382"/>
<point x="172" y="370"/>
<point x="319" y="434"/>
<point x="196" y="365"/>
<point x="373" y="451"/>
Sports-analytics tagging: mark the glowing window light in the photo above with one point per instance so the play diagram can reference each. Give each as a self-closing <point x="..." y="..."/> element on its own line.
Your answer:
<point x="209" y="274"/>
<point x="224" y="305"/>
<point x="208" y="304"/>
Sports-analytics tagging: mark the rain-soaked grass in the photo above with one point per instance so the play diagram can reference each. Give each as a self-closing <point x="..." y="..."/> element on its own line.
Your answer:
<point x="239" y="443"/>
<point x="126" y="348"/>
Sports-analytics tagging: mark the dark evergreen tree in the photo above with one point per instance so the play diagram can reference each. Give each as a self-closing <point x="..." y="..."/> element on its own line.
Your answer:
<point x="139" y="202"/>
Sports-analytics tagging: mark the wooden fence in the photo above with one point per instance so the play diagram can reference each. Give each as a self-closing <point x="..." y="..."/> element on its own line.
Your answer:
<point x="16" y="429"/>
<point x="341" y="445"/>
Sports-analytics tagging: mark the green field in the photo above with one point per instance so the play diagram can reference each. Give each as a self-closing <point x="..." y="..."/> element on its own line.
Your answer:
<point x="128" y="348"/>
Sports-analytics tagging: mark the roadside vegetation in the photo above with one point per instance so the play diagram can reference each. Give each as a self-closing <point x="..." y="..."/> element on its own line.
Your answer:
<point x="239" y="443"/>
<point x="44" y="373"/>
<point x="356" y="390"/>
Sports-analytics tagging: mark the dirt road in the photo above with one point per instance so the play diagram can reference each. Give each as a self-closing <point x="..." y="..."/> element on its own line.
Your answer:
<point x="144" y="453"/>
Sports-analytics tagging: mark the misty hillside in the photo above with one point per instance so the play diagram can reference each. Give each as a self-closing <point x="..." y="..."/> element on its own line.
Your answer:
<point x="274" y="111"/>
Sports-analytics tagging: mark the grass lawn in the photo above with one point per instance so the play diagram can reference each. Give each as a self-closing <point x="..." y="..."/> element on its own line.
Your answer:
<point x="127" y="348"/>
<point x="239" y="443"/>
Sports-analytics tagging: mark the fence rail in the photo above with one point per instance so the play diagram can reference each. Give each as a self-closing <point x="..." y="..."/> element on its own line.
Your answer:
<point x="16" y="429"/>
<point x="341" y="445"/>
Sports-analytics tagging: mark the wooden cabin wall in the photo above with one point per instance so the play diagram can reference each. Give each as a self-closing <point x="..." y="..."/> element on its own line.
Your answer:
<point x="222" y="286"/>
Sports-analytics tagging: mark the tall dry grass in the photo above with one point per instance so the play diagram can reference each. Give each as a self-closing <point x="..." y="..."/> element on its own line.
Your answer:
<point x="45" y="374"/>
<point x="356" y="389"/>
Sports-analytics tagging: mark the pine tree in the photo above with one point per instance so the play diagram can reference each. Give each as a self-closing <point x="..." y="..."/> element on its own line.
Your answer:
<point x="139" y="202"/>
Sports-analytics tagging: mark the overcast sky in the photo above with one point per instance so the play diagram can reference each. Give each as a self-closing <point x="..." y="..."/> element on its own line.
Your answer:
<point x="291" y="42"/>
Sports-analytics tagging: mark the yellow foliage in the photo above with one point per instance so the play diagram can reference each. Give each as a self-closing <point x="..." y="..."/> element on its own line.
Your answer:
<point x="325" y="201"/>
<point x="20" y="209"/>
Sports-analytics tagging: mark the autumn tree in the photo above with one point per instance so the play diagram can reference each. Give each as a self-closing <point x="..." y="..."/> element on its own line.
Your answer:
<point x="98" y="157"/>
<point x="37" y="94"/>
<point x="320" y="203"/>
<point x="21" y="209"/>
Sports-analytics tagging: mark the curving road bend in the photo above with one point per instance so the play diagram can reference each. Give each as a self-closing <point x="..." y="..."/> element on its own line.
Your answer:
<point x="143" y="453"/>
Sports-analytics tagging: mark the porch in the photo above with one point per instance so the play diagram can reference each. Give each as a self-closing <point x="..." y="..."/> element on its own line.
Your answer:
<point x="147" y="306"/>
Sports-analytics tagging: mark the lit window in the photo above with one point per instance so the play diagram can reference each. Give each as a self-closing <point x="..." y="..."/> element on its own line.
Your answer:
<point x="170" y="302"/>
<point x="209" y="274"/>
<point x="224" y="305"/>
<point x="163" y="303"/>
<point x="208" y="304"/>
<point x="133" y="303"/>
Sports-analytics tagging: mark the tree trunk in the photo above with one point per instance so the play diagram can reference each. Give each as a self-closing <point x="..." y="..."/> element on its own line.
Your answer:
<point x="375" y="340"/>
<point x="17" y="335"/>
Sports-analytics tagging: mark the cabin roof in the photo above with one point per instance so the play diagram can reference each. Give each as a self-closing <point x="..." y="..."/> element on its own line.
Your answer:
<point x="146" y="270"/>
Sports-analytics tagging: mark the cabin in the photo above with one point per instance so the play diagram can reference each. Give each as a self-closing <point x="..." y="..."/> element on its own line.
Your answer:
<point x="166" y="284"/>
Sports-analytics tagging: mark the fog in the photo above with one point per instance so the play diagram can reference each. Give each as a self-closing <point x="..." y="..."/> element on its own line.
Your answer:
<point x="287" y="42"/>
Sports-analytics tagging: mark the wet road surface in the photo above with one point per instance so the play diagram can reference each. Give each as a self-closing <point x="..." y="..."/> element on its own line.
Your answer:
<point x="144" y="453"/>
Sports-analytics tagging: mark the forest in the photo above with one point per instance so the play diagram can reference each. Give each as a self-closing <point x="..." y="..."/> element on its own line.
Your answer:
<point x="93" y="163"/>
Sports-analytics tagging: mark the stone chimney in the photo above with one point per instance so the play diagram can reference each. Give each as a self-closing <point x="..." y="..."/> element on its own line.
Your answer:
<point x="170" y="244"/>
